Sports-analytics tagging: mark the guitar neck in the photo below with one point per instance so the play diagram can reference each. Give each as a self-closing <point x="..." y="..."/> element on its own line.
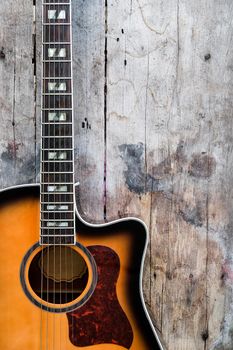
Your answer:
<point x="57" y="154"/>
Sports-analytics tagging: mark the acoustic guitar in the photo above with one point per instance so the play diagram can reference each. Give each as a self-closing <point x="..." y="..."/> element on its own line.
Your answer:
<point x="66" y="284"/>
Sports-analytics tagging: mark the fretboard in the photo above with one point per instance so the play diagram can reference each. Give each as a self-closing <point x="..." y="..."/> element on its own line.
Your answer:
<point x="57" y="162"/>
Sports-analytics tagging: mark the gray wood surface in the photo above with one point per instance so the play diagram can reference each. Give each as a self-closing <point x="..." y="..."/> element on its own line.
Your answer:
<point x="157" y="144"/>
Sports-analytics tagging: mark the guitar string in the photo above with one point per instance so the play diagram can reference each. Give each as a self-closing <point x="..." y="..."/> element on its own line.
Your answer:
<point x="72" y="125"/>
<point x="54" y="183"/>
<point x="66" y="132"/>
<point x="59" y="163"/>
<point x="49" y="171"/>
<point x="72" y="152"/>
<point x="43" y="166"/>
<point x="41" y="185"/>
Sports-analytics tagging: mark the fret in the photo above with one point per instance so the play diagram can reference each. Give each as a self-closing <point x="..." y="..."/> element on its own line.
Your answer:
<point x="57" y="109"/>
<point x="56" y="142"/>
<point x="57" y="78"/>
<point x="55" y="173"/>
<point x="65" y="2"/>
<point x="58" y="212"/>
<point x="58" y="61"/>
<point x="57" y="223"/>
<point x="57" y="166"/>
<point x="55" y="123"/>
<point x="56" y="197"/>
<point x="52" y="2"/>
<point x="56" y="34"/>
<point x="56" y="94"/>
<point x="56" y="189"/>
<point x="49" y="193"/>
<point x="57" y="130"/>
<point x="58" y="149"/>
<point x="57" y="240"/>
<point x="60" y="235"/>
<point x="57" y="69"/>
<point x="56" y="24"/>
<point x="55" y="158"/>
<point x="63" y="216"/>
<point x="57" y="231"/>
<point x="57" y="137"/>
<point x="69" y="183"/>
<point x="56" y="193"/>
<point x="56" y="43"/>
<point x="57" y="161"/>
<point x="57" y="178"/>
<point x="57" y="101"/>
<point x="57" y="203"/>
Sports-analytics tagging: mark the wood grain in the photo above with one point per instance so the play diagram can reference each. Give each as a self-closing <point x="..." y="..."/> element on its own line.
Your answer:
<point x="153" y="135"/>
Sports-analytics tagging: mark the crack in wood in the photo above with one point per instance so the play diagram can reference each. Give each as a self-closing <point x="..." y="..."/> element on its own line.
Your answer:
<point x="105" y="108"/>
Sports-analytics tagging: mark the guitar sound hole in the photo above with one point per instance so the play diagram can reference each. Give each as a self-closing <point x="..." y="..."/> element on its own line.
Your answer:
<point x="58" y="274"/>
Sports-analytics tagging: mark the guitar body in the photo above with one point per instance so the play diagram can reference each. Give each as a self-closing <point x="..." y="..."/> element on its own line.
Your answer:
<point x="113" y="316"/>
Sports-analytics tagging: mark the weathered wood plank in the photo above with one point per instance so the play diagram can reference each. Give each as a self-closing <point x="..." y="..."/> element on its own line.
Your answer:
<point x="88" y="71"/>
<point x="168" y="163"/>
<point x="17" y="114"/>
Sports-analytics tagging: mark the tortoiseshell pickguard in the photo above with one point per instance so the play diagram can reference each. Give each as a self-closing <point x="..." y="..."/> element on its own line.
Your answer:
<point x="101" y="320"/>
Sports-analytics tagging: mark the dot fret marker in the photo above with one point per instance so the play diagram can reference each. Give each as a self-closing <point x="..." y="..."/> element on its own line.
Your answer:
<point x="57" y="207"/>
<point x="57" y="116"/>
<point x="57" y="224"/>
<point x="57" y="86"/>
<point x="62" y="188"/>
<point x="55" y="52"/>
<point x="57" y="155"/>
<point x="54" y="14"/>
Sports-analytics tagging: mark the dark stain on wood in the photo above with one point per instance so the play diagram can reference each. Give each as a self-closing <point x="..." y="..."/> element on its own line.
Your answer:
<point x="136" y="179"/>
<point x="140" y="182"/>
<point x="101" y="320"/>
<point x="205" y="335"/>
<point x="11" y="152"/>
<point x="193" y="215"/>
<point x="190" y="289"/>
<point x="202" y="165"/>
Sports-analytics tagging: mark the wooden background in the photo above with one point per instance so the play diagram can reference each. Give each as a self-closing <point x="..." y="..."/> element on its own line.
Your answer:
<point x="153" y="87"/>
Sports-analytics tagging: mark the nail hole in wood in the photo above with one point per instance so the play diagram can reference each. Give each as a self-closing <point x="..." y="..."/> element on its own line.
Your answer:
<point x="2" y="54"/>
<point x="207" y="57"/>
